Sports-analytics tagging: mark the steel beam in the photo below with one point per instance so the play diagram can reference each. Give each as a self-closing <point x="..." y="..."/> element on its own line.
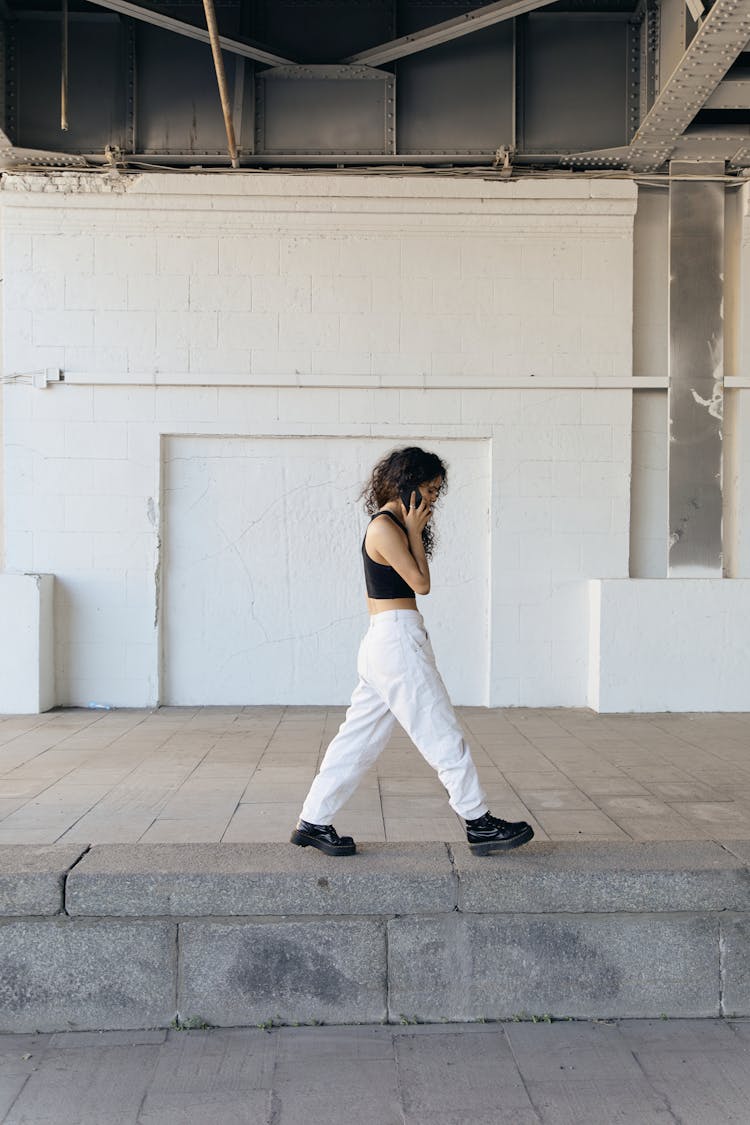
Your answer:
<point x="167" y="23"/>
<point x="13" y="157"/>
<point x="731" y="93"/>
<point x="717" y="43"/>
<point x="696" y="368"/>
<point x="444" y="32"/>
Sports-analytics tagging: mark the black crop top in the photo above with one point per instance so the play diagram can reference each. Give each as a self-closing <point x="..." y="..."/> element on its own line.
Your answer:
<point x="381" y="580"/>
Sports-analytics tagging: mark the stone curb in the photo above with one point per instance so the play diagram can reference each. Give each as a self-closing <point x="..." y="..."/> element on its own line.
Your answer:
<point x="204" y="880"/>
<point x="605" y="877"/>
<point x="32" y="878"/>
<point x="236" y="935"/>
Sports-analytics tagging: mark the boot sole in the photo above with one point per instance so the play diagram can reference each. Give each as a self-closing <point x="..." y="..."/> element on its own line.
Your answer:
<point x="488" y="847"/>
<point x="303" y="841"/>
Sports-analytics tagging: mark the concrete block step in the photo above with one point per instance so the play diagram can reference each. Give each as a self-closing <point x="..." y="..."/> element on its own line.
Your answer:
<point x="131" y="936"/>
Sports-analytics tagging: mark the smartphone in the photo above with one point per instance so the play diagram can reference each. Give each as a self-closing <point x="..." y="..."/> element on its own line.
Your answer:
<point x="406" y="491"/>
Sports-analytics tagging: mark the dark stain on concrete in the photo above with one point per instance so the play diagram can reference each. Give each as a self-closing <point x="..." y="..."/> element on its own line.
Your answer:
<point x="269" y="966"/>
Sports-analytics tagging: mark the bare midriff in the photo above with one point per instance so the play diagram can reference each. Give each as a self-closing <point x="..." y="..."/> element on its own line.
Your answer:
<point x="380" y="605"/>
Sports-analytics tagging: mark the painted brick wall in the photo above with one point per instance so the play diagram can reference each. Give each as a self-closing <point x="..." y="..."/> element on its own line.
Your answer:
<point x="408" y="310"/>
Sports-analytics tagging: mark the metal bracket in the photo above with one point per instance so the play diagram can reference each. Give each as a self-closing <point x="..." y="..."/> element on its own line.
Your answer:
<point x="42" y="379"/>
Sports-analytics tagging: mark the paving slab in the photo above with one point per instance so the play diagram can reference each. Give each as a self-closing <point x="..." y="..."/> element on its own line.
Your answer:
<point x="694" y="765"/>
<point x="32" y="877"/>
<point x="233" y="1061"/>
<point x="250" y="1107"/>
<point x="303" y="1092"/>
<point x="594" y="1102"/>
<point x="580" y="1051"/>
<point x="74" y="1091"/>
<point x="448" y="1072"/>
<point x="259" y="879"/>
<point x="607" y="877"/>
<point x="570" y="1073"/>
<point x="715" y="1088"/>
<point x="82" y="1040"/>
<point x="684" y="1035"/>
<point x="352" y="1043"/>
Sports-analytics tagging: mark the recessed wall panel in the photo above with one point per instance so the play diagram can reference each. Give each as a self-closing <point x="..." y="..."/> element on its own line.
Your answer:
<point x="263" y="592"/>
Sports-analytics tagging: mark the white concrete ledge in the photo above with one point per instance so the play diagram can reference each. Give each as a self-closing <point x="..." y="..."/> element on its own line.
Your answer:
<point x="27" y="670"/>
<point x="671" y="644"/>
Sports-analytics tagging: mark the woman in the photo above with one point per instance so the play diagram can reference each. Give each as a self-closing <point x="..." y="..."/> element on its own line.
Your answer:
<point x="398" y="679"/>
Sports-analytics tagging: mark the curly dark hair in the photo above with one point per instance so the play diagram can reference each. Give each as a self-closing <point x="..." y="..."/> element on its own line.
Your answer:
<point x="399" y="470"/>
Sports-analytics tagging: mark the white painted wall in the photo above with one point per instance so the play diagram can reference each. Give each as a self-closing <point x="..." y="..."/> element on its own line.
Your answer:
<point x="674" y="644"/>
<point x="489" y="320"/>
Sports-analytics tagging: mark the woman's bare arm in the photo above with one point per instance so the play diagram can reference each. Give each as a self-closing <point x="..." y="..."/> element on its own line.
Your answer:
<point x="386" y="543"/>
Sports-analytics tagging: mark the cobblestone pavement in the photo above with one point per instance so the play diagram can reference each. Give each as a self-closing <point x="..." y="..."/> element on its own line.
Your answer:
<point x="240" y="774"/>
<point x="628" y="1072"/>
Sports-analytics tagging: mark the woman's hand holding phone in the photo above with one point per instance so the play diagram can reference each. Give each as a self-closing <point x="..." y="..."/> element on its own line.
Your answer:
<point x="417" y="510"/>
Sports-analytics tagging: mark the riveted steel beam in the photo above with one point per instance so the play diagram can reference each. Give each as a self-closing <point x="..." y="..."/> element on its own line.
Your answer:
<point x="731" y="93"/>
<point x="167" y="23"/>
<point x="13" y="157"/>
<point x="715" y="46"/>
<point x="444" y="32"/>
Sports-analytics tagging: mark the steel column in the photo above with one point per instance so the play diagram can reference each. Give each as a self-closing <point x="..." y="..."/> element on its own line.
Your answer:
<point x="696" y="369"/>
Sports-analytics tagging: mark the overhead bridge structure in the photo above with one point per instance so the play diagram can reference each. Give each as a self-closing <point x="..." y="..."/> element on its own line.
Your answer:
<point x="578" y="84"/>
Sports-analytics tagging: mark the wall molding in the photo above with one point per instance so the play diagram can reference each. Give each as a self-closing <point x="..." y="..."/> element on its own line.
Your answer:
<point x="370" y="382"/>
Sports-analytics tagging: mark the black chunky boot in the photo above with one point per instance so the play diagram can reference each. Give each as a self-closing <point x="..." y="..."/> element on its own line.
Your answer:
<point x="488" y="834"/>
<point x="324" y="837"/>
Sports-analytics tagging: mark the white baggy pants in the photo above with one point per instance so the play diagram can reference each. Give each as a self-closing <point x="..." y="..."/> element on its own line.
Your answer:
<point x="398" y="680"/>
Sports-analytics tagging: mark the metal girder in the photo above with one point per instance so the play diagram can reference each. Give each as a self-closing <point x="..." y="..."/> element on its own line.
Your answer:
<point x="12" y="157"/>
<point x="717" y="43"/>
<point x="597" y="158"/>
<point x="167" y="23"/>
<point x="711" y="144"/>
<point x="732" y="93"/>
<point x="444" y="32"/>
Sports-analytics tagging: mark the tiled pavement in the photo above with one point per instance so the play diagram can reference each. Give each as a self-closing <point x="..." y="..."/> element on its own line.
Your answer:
<point x="625" y="1072"/>
<point x="240" y="774"/>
